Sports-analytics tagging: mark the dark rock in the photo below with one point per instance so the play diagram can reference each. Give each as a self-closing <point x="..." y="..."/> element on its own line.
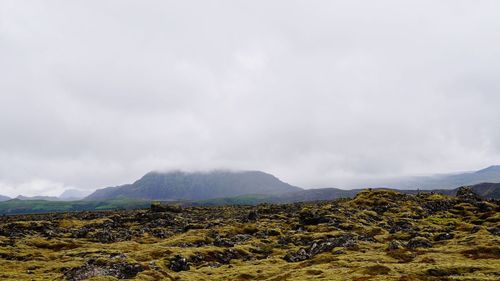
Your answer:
<point x="394" y="245"/>
<point x="475" y="229"/>
<point x="434" y="206"/>
<point x="223" y="257"/>
<point x="311" y="218"/>
<point x="93" y="268"/>
<point x="300" y="255"/>
<point x="444" y="236"/>
<point x="466" y="194"/>
<point x="159" y="233"/>
<point x="326" y="245"/>
<point x="418" y="242"/>
<point x="107" y="236"/>
<point x="231" y="240"/>
<point x="223" y="242"/>
<point x="252" y="216"/>
<point x="80" y="233"/>
<point x="494" y="230"/>
<point x="402" y="225"/>
<point x="157" y="207"/>
<point x="179" y="263"/>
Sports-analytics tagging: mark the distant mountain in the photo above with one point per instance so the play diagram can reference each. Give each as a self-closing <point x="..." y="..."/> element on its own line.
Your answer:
<point x="443" y="181"/>
<point x="16" y="206"/>
<point x="74" y="194"/>
<point x="485" y="190"/>
<point x="315" y="194"/>
<point x="4" y="198"/>
<point x="46" y="198"/>
<point x="195" y="186"/>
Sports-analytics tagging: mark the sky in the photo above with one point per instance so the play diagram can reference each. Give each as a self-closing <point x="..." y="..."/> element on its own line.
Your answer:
<point x="318" y="93"/>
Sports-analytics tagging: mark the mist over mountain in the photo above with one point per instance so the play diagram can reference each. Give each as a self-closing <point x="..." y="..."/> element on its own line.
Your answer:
<point x="33" y="198"/>
<point x="439" y="181"/>
<point x="196" y="186"/>
<point x="485" y="190"/>
<point x="4" y="198"/>
<point x="74" y="194"/>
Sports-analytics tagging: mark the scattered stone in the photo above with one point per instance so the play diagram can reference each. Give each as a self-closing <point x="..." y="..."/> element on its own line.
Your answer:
<point x="93" y="268"/>
<point x="300" y="255"/>
<point x="179" y="263"/>
<point x="327" y="245"/>
<point x="444" y="236"/>
<point x="108" y="236"/>
<point x="157" y="207"/>
<point x="311" y="218"/>
<point x="475" y="229"/>
<point x="402" y="225"/>
<point x="494" y="230"/>
<point x="252" y="216"/>
<point x="394" y="245"/>
<point x="418" y="242"/>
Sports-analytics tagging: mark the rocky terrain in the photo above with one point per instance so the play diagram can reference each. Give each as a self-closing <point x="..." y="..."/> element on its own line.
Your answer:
<point x="377" y="235"/>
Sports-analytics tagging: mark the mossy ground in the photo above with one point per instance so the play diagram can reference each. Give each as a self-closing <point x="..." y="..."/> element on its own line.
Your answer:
<point x="461" y="241"/>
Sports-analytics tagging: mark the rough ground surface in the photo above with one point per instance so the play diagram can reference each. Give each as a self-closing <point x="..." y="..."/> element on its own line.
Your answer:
<point x="378" y="235"/>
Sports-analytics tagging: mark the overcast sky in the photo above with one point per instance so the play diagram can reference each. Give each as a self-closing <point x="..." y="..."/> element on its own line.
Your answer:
<point x="318" y="93"/>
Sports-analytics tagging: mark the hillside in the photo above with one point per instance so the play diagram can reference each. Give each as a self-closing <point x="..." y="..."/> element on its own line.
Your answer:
<point x="4" y="198"/>
<point x="17" y="206"/>
<point x="195" y="186"/>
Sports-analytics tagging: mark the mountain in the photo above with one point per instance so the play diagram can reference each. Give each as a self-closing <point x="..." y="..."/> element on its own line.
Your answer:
<point x="178" y="185"/>
<point x="16" y="206"/>
<point x="485" y="190"/>
<point x="4" y="198"/>
<point x="441" y="181"/>
<point x="315" y="194"/>
<point x="31" y="198"/>
<point x="74" y="194"/>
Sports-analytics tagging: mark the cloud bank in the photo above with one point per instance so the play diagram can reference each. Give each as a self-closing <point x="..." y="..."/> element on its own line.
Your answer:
<point x="319" y="93"/>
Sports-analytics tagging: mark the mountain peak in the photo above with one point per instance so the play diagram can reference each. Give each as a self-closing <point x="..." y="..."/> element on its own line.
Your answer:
<point x="181" y="185"/>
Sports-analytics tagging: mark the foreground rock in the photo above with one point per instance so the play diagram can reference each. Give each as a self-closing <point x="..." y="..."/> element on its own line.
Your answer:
<point x="94" y="268"/>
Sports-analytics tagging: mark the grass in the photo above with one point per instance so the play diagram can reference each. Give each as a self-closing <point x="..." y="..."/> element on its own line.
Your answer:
<point x="16" y="206"/>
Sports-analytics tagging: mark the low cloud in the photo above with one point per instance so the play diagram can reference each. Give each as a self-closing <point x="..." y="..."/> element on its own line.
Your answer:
<point x="320" y="94"/>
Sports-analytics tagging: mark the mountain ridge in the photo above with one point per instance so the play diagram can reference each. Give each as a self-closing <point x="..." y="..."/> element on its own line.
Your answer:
<point x="489" y="174"/>
<point x="179" y="185"/>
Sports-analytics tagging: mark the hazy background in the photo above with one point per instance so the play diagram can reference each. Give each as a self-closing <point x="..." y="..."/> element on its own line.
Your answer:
<point x="319" y="93"/>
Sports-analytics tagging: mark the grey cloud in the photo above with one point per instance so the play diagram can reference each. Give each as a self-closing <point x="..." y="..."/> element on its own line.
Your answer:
<point x="320" y="93"/>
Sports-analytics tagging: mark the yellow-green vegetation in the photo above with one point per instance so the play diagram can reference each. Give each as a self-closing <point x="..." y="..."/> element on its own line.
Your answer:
<point x="378" y="235"/>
